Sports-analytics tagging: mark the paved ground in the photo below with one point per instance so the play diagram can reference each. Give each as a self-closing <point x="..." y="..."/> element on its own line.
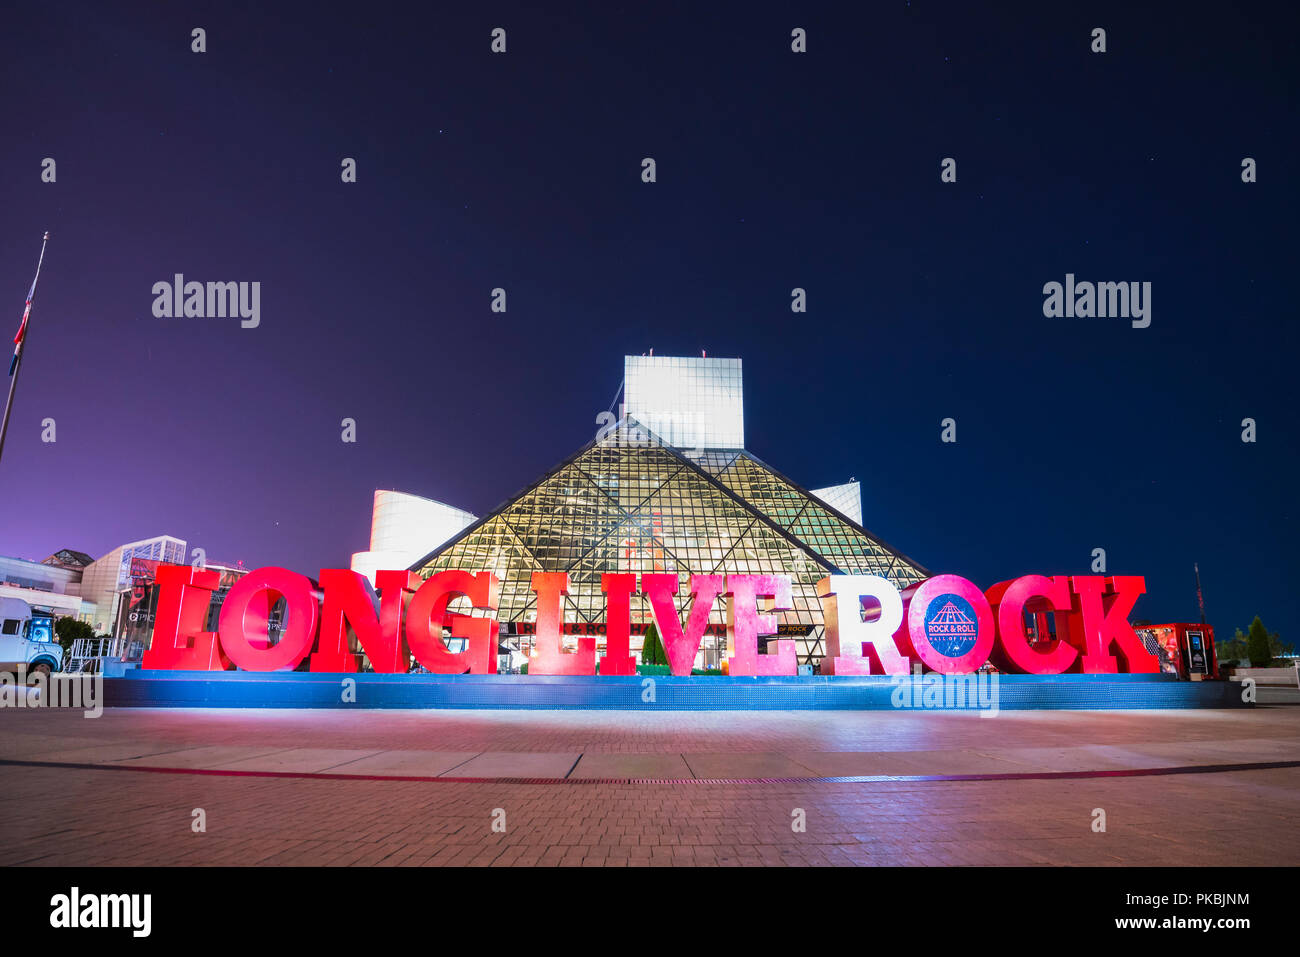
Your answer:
<point x="715" y="794"/>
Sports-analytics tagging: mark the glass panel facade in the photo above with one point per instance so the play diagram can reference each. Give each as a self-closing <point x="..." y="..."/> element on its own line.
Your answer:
<point x="848" y="547"/>
<point x="631" y="503"/>
<point x="161" y="549"/>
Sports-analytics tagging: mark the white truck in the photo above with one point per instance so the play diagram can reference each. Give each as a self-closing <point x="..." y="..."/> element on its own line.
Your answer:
<point x="27" y="642"/>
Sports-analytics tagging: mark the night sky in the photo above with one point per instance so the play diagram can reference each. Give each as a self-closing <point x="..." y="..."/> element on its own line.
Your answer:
<point x="775" y="170"/>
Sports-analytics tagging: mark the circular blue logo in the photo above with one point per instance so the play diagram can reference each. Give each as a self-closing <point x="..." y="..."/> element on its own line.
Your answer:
<point x="951" y="626"/>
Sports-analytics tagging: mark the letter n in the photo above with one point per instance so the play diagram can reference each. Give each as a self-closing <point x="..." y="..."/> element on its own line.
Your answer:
<point x="350" y="604"/>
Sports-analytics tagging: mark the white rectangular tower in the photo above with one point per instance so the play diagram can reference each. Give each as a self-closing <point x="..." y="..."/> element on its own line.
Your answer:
<point x="689" y="403"/>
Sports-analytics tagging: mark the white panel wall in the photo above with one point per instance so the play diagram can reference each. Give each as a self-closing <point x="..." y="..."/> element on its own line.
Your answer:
<point x="404" y="528"/>
<point x="846" y="498"/>
<point x="689" y="403"/>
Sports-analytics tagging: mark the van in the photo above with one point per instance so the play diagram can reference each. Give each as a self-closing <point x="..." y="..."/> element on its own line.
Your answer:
<point x="27" y="643"/>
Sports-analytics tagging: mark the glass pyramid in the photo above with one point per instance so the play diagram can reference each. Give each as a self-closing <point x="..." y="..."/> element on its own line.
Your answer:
<point x="627" y="502"/>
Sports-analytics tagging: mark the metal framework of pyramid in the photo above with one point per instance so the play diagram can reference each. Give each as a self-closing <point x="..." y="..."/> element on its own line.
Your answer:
<point x="628" y="502"/>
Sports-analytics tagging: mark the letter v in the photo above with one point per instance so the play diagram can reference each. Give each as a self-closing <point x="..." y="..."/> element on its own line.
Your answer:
<point x="681" y="647"/>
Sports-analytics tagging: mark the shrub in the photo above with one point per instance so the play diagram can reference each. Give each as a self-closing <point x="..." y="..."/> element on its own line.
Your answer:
<point x="1258" y="646"/>
<point x="652" y="651"/>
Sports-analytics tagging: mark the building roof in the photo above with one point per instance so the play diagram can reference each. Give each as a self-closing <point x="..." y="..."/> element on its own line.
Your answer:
<point x="68" y="557"/>
<point x="629" y="502"/>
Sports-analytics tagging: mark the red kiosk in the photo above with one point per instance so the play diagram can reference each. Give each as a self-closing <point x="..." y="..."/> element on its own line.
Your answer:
<point x="1184" y="648"/>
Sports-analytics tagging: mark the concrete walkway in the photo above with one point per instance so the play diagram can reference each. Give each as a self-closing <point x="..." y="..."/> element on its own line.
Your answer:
<point x="669" y="746"/>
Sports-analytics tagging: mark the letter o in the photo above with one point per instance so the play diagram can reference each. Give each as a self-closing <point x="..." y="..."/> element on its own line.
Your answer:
<point x="950" y="624"/>
<point x="247" y="610"/>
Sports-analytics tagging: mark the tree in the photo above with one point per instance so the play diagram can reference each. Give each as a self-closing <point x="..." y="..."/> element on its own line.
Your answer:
<point x="1258" y="646"/>
<point x="1278" y="646"/>
<point x="1237" y="648"/>
<point x="1232" y="649"/>
<point x="652" y="649"/>
<point x="67" y="629"/>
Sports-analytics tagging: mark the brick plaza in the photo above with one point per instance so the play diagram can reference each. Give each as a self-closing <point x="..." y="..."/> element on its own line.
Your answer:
<point x="620" y="788"/>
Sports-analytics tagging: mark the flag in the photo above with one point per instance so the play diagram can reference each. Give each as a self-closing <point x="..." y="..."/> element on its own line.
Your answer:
<point x="18" y="339"/>
<point x="27" y="312"/>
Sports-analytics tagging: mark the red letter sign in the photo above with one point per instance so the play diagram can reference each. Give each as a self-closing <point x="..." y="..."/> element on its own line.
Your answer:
<point x="951" y="625"/>
<point x="428" y="615"/>
<point x="549" y="656"/>
<point x="681" y="647"/>
<point x="745" y="624"/>
<point x="618" y="659"/>
<point x="1009" y="600"/>
<point x="1103" y="622"/>
<point x="247" y="610"/>
<point x="349" y="600"/>
<point x="851" y="643"/>
<point x="179" y="641"/>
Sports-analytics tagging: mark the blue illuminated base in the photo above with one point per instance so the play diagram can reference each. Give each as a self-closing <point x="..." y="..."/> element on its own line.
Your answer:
<point x="239" y="689"/>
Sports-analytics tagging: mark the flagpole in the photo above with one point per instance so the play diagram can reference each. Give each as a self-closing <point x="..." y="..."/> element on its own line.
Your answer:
<point x="24" y="331"/>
